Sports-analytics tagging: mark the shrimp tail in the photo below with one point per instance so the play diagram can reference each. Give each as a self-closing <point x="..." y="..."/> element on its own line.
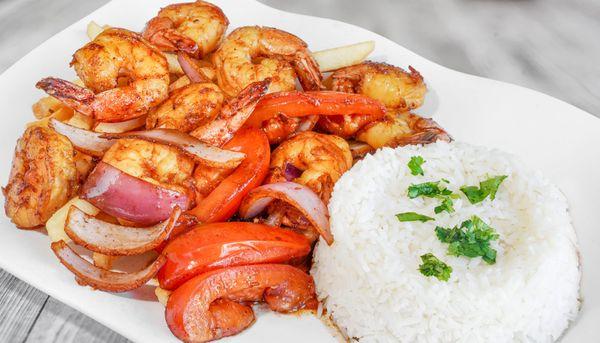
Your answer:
<point x="161" y="32"/>
<point x="233" y="115"/>
<point x="72" y="95"/>
<point x="307" y="69"/>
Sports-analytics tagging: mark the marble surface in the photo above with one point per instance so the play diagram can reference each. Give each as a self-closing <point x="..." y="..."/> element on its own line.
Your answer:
<point x="551" y="46"/>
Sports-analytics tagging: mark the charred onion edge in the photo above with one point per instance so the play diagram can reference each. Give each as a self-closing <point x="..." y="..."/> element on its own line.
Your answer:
<point x="119" y="127"/>
<point x="299" y="196"/>
<point x="99" y="236"/>
<point x="89" y="142"/>
<point x="103" y="279"/>
<point x="191" y="146"/>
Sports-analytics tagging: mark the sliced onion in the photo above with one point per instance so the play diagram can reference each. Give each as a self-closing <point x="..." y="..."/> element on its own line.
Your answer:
<point x="122" y="126"/>
<point x="191" y="69"/>
<point x="103" y="279"/>
<point x="359" y="149"/>
<point x="128" y="197"/>
<point x="87" y="141"/>
<point x="307" y="123"/>
<point x="290" y="172"/>
<point x="116" y="240"/>
<point x="299" y="196"/>
<point x="198" y="150"/>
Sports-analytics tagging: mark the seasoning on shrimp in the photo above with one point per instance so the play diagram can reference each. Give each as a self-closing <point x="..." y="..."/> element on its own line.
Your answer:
<point x="42" y="179"/>
<point x="113" y="56"/>
<point x="187" y="108"/>
<point x="254" y="53"/>
<point x="195" y="28"/>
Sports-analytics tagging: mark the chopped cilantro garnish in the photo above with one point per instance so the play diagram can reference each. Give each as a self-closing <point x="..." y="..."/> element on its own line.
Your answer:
<point x="434" y="190"/>
<point x="471" y="239"/>
<point x="446" y="205"/>
<point x="488" y="187"/>
<point x="432" y="266"/>
<point x="412" y="217"/>
<point x="415" y="165"/>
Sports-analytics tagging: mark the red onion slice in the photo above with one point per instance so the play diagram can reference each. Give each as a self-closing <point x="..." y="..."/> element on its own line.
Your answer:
<point x="198" y="150"/>
<point x="103" y="279"/>
<point x="87" y="141"/>
<point x="122" y="126"/>
<point x="299" y="196"/>
<point x="124" y="196"/>
<point x="290" y="172"/>
<point x="190" y="68"/>
<point x="116" y="240"/>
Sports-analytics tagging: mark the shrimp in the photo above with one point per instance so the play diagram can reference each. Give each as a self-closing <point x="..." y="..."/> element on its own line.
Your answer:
<point x="254" y="53"/>
<point x="401" y="129"/>
<point x="234" y="114"/>
<point x="187" y="108"/>
<point x="397" y="89"/>
<point x="42" y="179"/>
<point x="394" y="87"/>
<point x="152" y="162"/>
<point x="195" y="28"/>
<point x="318" y="161"/>
<point x="114" y="56"/>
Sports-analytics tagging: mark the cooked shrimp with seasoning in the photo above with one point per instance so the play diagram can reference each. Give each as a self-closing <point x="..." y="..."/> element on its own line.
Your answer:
<point x="255" y="53"/>
<point x="42" y="179"/>
<point x="396" y="88"/>
<point x="195" y="28"/>
<point x="125" y="77"/>
<point x="175" y="139"/>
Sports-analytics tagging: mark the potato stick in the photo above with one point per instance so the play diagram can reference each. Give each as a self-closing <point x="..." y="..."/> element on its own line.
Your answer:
<point x="343" y="56"/>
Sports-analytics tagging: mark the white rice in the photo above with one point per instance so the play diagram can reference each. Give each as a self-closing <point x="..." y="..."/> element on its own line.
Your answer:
<point x="369" y="279"/>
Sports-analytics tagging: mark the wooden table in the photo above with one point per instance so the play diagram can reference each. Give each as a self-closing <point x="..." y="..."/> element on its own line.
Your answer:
<point x="552" y="46"/>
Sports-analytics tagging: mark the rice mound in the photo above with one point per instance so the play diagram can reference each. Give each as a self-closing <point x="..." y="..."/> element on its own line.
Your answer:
<point x="369" y="280"/>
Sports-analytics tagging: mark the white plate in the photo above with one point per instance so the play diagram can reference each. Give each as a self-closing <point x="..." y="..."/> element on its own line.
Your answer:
<point x="548" y="134"/>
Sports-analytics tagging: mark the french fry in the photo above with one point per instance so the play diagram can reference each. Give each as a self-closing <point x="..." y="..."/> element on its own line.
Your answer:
<point x="55" y="226"/>
<point x="94" y="29"/>
<point x="162" y="295"/>
<point x="103" y="261"/>
<point x="343" y="56"/>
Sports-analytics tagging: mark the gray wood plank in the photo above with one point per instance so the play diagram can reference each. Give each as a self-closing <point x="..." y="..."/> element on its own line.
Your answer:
<point x="20" y="305"/>
<point x="58" y="323"/>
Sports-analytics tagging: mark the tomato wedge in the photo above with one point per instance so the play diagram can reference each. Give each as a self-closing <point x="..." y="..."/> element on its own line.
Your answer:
<point x="225" y="199"/>
<point x="191" y="313"/>
<point x="218" y="245"/>
<point x="299" y="104"/>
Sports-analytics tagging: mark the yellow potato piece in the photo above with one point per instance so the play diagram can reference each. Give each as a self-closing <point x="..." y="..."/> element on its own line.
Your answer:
<point x="162" y="295"/>
<point x="343" y="56"/>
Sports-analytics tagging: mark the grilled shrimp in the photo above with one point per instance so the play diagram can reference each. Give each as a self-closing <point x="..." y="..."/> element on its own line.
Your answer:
<point x="397" y="89"/>
<point x="42" y="179"/>
<point x="155" y="163"/>
<point x="234" y="114"/>
<point x="312" y="159"/>
<point x="195" y="28"/>
<point x="401" y="129"/>
<point x="394" y="87"/>
<point x="125" y="76"/>
<point x="254" y="53"/>
<point x="187" y="108"/>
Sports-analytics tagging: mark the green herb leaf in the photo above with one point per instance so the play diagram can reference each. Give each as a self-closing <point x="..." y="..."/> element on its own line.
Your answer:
<point x="486" y="188"/>
<point x="471" y="239"/>
<point x="415" y="165"/>
<point x="432" y="266"/>
<point x="412" y="217"/>
<point x="446" y="205"/>
<point x="426" y="189"/>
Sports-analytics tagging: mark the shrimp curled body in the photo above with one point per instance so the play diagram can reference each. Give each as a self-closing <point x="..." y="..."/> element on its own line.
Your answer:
<point x="195" y="28"/>
<point x="42" y="179"/>
<point x="254" y="53"/>
<point x="125" y="76"/>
